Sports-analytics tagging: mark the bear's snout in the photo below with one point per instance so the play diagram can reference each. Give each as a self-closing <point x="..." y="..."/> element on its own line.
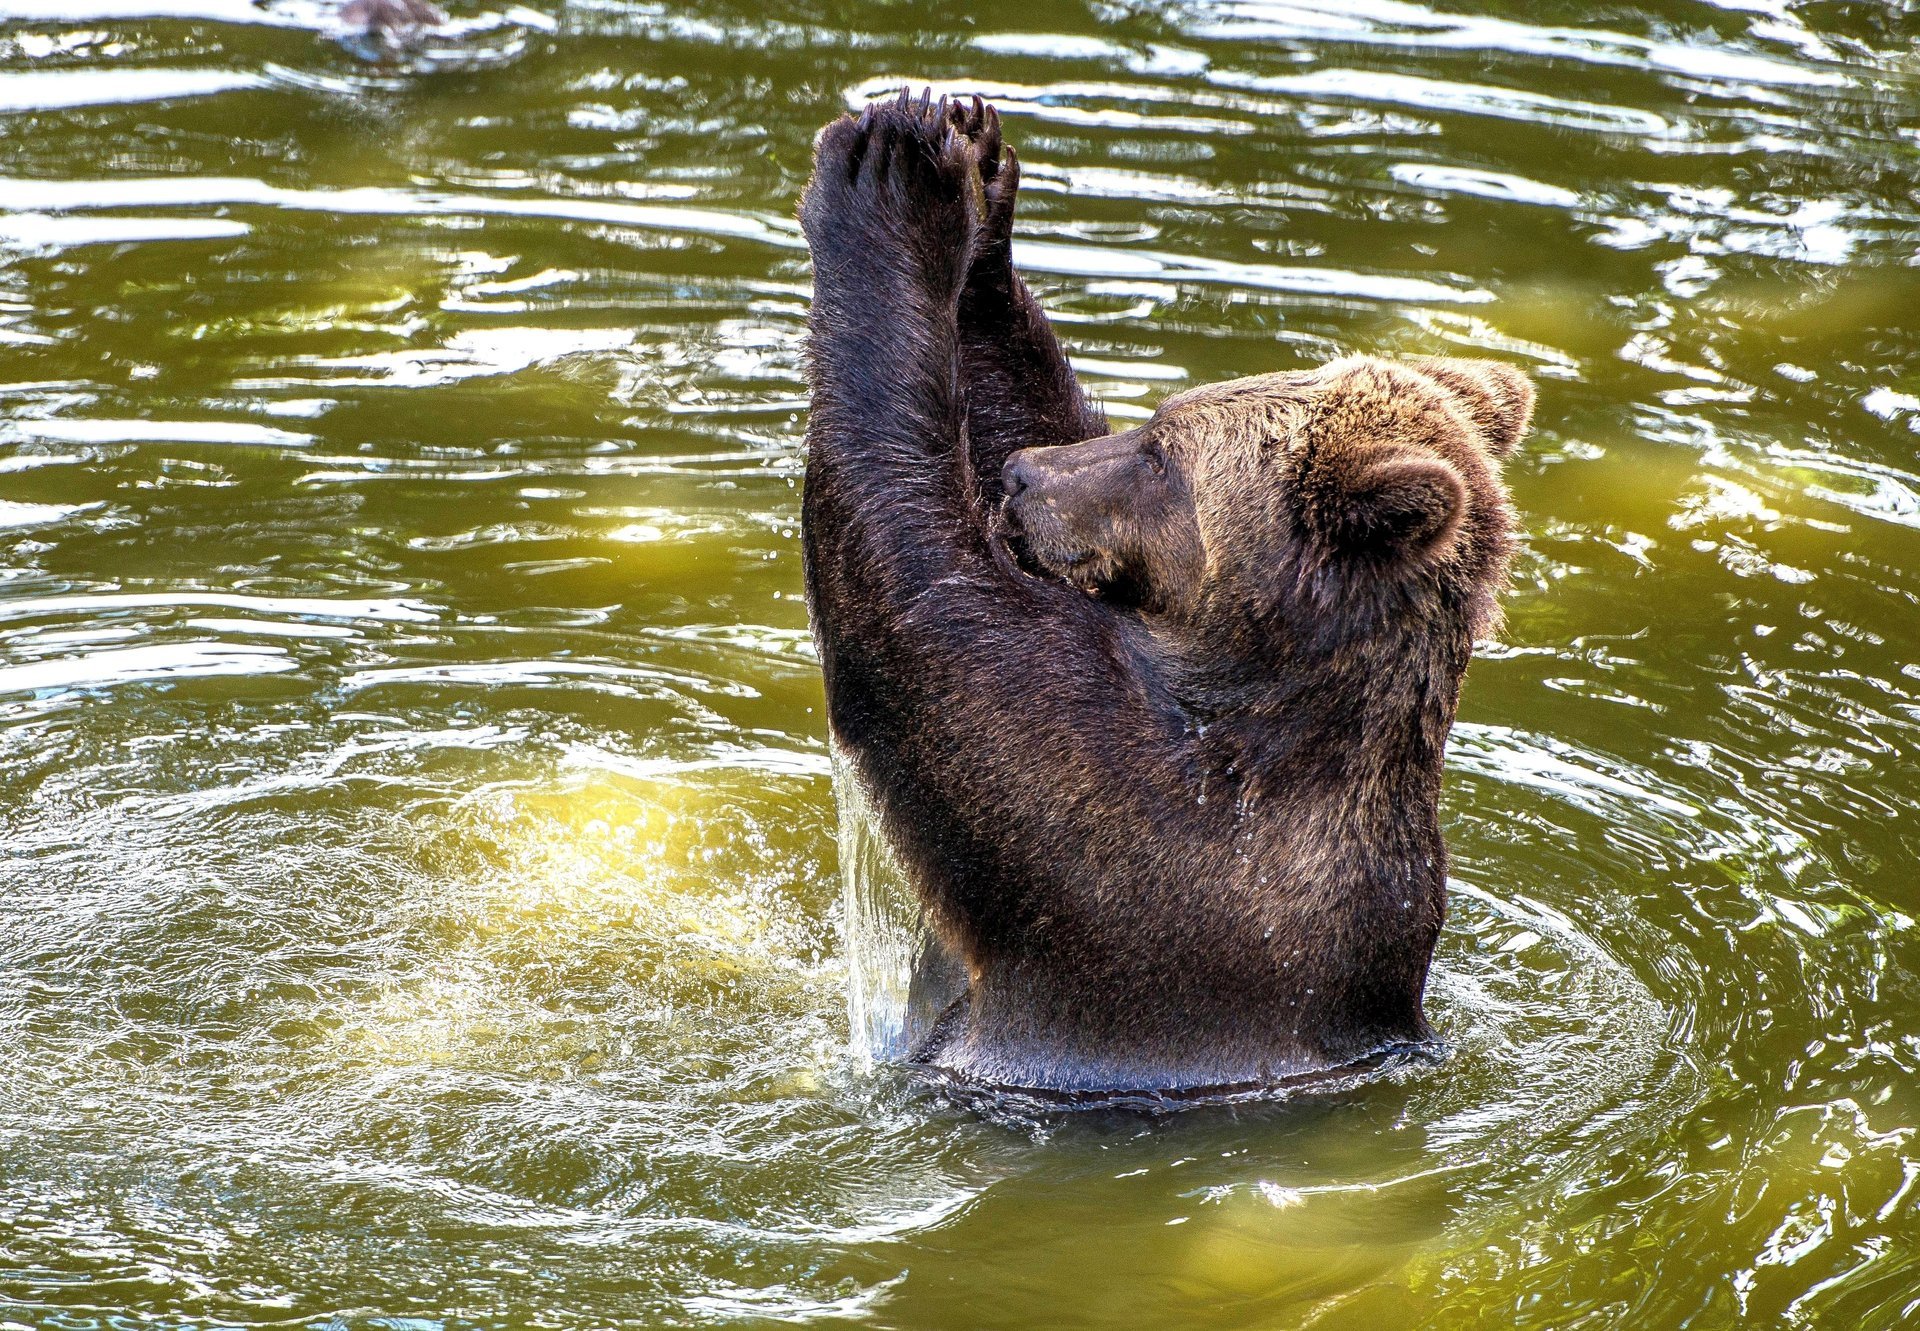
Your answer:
<point x="1016" y="476"/>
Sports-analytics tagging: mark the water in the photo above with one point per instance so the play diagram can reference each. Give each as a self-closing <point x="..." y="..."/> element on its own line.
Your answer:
<point x="900" y="977"/>
<point x="418" y="892"/>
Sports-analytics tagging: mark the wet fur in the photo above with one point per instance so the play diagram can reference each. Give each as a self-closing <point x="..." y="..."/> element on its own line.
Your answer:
<point x="1189" y="840"/>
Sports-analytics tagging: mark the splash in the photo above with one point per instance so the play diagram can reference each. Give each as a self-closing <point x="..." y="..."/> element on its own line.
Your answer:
<point x="900" y="977"/>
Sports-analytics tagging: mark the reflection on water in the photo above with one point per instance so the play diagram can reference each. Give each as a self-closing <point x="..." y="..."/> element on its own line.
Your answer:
<point x="419" y="867"/>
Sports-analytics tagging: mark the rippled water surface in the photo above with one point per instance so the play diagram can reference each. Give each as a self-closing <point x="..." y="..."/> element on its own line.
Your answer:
<point x="418" y="897"/>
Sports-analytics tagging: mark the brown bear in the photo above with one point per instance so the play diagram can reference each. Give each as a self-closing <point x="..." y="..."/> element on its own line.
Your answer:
<point x="1153" y="720"/>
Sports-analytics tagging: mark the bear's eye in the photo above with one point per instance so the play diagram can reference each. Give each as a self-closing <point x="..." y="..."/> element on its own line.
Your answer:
<point x="1156" y="457"/>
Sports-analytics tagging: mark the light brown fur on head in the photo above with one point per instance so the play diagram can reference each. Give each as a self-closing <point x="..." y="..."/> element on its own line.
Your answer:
<point x="1359" y="477"/>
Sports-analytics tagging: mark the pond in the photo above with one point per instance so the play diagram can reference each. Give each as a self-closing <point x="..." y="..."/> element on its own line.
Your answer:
<point x="418" y="868"/>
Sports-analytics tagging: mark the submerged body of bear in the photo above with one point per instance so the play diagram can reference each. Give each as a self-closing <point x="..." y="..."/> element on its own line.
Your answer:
<point x="1153" y="720"/>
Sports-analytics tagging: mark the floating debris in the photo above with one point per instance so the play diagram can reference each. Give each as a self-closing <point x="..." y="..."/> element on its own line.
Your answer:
<point x="383" y="29"/>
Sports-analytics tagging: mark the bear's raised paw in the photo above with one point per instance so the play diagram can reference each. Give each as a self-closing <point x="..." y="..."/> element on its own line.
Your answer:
<point x="898" y="191"/>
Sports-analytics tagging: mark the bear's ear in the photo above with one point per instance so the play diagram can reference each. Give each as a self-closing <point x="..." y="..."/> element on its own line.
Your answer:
<point x="1392" y="504"/>
<point x="1496" y="397"/>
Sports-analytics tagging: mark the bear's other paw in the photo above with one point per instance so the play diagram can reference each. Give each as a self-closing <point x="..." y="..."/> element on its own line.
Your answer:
<point x="992" y="272"/>
<point x="998" y="164"/>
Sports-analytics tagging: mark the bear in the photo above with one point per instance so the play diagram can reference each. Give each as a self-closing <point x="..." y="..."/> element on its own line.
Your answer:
<point x="1152" y="719"/>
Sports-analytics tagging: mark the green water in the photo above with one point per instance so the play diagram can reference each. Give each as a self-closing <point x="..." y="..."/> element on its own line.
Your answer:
<point x="418" y="896"/>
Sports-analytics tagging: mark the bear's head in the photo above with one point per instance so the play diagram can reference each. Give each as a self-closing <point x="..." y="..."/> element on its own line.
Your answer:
<point x="1286" y="500"/>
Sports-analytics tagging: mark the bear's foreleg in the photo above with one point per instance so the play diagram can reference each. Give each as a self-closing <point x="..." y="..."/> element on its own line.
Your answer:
<point x="892" y="216"/>
<point x="930" y="637"/>
<point x="1021" y="391"/>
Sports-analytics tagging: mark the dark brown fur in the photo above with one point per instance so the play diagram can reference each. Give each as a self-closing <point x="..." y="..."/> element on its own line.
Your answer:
<point x="1165" y="766"/>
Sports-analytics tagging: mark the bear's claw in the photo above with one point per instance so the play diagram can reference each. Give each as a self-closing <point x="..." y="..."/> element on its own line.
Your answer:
<point x="977" y="120"/>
